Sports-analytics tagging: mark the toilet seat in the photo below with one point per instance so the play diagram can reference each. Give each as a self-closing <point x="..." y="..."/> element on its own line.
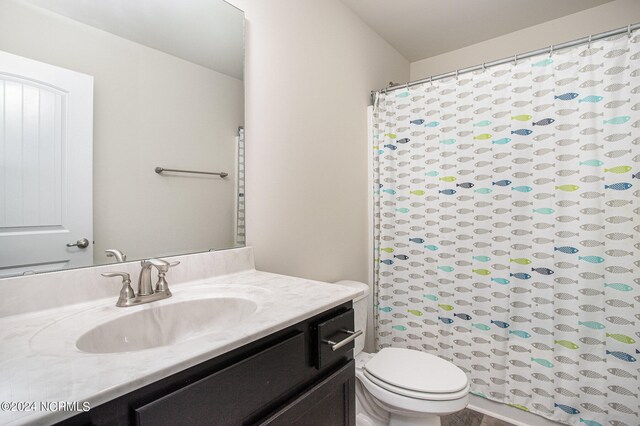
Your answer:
<point x="416" y="395"/>
<point x="416" y="374"/>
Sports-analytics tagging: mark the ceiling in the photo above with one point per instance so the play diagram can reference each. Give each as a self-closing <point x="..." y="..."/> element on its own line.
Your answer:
<point x="420" y="29"/>
<point x="206" y="32"/>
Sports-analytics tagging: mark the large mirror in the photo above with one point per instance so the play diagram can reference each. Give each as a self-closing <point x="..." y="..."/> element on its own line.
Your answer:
<point x="106" y="110"/>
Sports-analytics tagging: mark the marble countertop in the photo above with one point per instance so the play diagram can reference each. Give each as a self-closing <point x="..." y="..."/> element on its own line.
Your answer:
<point x="39" y="360"/>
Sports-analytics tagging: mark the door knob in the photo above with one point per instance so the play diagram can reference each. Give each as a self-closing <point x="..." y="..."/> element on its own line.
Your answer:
<point x="81" y="243"/>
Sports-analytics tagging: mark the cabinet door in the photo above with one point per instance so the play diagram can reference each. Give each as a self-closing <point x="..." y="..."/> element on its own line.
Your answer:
<point x="329" y="403"/>
<point x="231" y="395"/>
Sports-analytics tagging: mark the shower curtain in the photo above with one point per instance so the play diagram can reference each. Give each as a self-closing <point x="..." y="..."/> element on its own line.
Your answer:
<point x="507" y="219"/>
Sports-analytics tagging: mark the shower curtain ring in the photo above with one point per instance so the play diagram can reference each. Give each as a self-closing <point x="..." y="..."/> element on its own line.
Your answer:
<point x="431" y="80"/>
<point x="629" y="30"/>
<point x="515" y="59"/>
<point x="484" y="67"/>
<point x="457" y="74"/>
<point x="589" y="43"/>
<point x="550" y="50"/>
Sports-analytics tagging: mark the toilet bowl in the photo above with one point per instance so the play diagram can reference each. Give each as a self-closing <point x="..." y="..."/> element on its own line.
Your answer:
<point x="403" y="387"/>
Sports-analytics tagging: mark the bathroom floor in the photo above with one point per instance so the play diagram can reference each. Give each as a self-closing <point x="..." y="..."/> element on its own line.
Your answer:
<point x="468" y="417"/>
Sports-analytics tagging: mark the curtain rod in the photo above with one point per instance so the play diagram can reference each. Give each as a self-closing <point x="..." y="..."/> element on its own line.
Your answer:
<point x="584" y="40"/>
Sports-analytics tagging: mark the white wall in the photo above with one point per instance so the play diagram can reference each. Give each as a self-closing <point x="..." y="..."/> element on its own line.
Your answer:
<point x="151" y="109"/>
<point x="310" y="67"/>
<point x="609" y="16"/>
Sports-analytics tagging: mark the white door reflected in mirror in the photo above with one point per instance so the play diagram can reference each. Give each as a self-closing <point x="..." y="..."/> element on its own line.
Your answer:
<point x="46" y="136"/>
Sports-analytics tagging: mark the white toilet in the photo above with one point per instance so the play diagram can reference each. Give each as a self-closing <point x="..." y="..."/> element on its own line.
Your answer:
<point x="403" y="387"/>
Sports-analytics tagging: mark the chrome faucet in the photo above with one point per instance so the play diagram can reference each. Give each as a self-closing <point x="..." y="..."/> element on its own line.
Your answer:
<point x="120" y="257"/>
<point x="146" y="292"/>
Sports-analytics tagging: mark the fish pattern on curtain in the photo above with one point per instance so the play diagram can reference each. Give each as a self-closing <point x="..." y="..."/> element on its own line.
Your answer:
<point x="507" y="219"/>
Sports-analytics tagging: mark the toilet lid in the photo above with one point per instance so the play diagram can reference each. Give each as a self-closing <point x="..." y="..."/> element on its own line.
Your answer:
<point x="416" y="371"/>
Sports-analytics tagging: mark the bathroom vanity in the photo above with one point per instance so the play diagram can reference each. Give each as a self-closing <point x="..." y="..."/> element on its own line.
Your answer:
<point x="285" y="378"/>
<point x="231" y="346"/>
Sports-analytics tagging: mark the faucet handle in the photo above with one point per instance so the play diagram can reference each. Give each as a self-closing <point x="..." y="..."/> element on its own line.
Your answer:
<point x="162" y="286"/>
<point x="127" y="294"/>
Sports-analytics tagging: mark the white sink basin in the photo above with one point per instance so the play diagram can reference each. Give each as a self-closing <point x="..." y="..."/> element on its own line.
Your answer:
<point x="166" y="324"/>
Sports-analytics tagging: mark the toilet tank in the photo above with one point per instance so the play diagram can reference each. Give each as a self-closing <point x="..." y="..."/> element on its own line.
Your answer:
<point x="361" y="310"/>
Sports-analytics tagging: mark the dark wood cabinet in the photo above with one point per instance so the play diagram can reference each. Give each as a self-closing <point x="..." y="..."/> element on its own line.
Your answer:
<point x="277" y="380"/>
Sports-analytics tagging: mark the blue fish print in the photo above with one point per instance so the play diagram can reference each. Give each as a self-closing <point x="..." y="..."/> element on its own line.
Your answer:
<point x="522" y="188"/>
<point x="463" y="316"/>
<point x="401" y="256"/>
<point x="591" y="98"/>
<point x="622" y="356"/>
<point x="502" y="141"/>
<point x="567" y="96"/>
<point x="621" y="186"/>
<point x="520" y="276"/>
<point x="391" y="147"/>
<point x="543" y="122"/>
<point x="403" y="140"/>
<point x="389" y="191"/>
<point x="567" y="409"/>
<point x="504" y="182"/>
<point x="543" y="271"/>
<point x="418" y="122"/>
<point x="447" y="191"/>
<point x="520" y="333"/>
<point x="445" y="320"/>
<point x="386" y="309"/>
<point x="521" y="132"/>
<point x="566" y="249"/>
<point x="465" y="185"/>
<point x="416" y="240"/>
<point x="432" y="124"/>
<point x="590" y="422"/>
<point x="387" y="262"/>
<point x="500" y="324"/>
<point x="502" y="281"/>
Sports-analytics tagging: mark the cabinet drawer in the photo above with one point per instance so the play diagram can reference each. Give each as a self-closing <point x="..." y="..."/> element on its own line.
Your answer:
<point x="234" y="392"/>
<point x="329" y="403"/>
<point x="333" y="330"/>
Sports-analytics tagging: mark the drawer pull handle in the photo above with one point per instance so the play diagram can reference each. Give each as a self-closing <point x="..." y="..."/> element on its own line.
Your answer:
<point x="337" y="345"/>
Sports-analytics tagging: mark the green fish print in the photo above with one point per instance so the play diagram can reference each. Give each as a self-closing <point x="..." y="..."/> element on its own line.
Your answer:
<point x="568" y="188"/>
<point x="482" y="137"/>
<point x="619" y="169"/>
<point x="415" y="312"/>
<point x="520" y="261"/>
<point x="481" y="271"/>
<point x="567" y="344"/>
<point x="621" y="338"/>
<point x="446" y="307"/>
<point x="522" y="117"/>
